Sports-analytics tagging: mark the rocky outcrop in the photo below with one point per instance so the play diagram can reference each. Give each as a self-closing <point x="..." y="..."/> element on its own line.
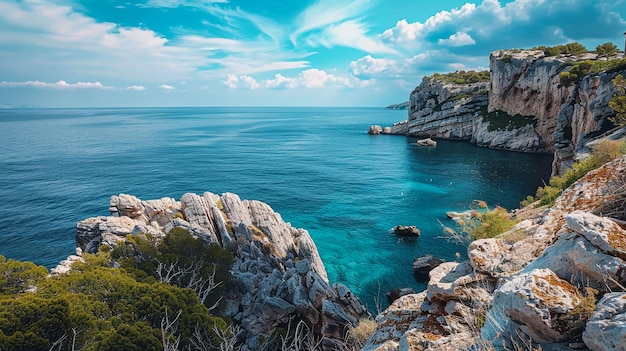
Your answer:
<point x="278" y="275"/>
<point x="445" y="110"/>
<point x="546" y="281"/>
<point x="527" y="107"/>
<point x="567" y="115"/>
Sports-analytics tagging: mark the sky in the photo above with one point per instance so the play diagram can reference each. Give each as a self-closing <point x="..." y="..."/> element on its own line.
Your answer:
<point x="370" y="53"/>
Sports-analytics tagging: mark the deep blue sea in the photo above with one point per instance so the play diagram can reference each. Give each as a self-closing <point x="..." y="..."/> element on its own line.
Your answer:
<point x="315" y="166"/>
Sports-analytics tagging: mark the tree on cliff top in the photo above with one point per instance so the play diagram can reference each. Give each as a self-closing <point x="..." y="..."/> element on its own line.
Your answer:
<point x="606" y="49"/>
<point x="618" y="101"/>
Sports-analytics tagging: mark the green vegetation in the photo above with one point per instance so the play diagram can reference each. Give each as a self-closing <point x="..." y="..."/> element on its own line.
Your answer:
<point x="586" y="67"/>
<point x="462" y="77"/>
<point x="567" y="49"/>
<point x="153" y="301"/>
<point x="604" y="152"/>
<point x="502" y="120"/>
<point x="606" y="49"/>
<point x="468" y="94"/>
<point x="482" y="223"/>
<point x="618" y="101"/>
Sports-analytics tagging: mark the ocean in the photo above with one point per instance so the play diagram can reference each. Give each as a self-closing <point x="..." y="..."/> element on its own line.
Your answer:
<point x="317" y="167"/>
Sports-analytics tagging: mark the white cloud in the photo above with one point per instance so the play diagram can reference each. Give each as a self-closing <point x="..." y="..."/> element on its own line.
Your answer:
<point x="310" y="78"/>
<point x="180" y="3"/>
<point x="457" y="39"/>
<point x="337" y="23"/>
<point x="136" y="87"/>
<point x="349" y="34"/>
<point x="368" y="66"/>
<point x="166" y="87"/>
<point x="58" y="85"/>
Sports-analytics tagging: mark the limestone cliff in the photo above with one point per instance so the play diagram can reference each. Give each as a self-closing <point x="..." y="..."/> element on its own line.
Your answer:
<point x="527" y="107"/>
<point x="445" y="110"/>
<point x="278" y="275"/>
<point x="532" y="284"/>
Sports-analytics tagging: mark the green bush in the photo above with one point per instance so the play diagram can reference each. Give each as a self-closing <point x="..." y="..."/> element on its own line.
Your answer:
<point x="98" y="307"/>
<point x="491" y="224"/>
<point x="462" y="77"/>
<point x="606" y="49"/>
<point x="618" y="101"/>
<point x="568" y="49"/>
<point x="501" y="120"/>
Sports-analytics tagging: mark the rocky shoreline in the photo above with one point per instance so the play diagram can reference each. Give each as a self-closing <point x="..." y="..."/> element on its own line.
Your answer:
<point x="554" y="282"/>
<point x="278" y="276"/>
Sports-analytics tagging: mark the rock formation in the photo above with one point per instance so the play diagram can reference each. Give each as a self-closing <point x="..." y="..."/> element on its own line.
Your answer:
<point x="278" y="275"/>
<point x="553" y="277"/>
<point x="525" y="107"/>
<point x="445" y="110"/>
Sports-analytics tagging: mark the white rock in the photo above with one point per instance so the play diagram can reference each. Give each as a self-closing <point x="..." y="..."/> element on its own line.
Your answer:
<point x="606" y="329"/>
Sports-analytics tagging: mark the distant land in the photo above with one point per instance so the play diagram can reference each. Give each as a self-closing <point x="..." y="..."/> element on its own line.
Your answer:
<point x="400" y="106"/>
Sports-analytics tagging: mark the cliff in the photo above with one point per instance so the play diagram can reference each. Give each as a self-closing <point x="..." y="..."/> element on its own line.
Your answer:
<point x="527" y="108"/>
<point x="554" y="281"/>
<point x="278" y="276"/>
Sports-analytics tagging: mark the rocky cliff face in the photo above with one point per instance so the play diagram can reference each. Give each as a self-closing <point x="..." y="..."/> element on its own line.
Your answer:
<point x="444" y="110"/>
<point x="557" y="275"/>
<point x="278" y="275"/>
<point x="567" y="115"/>
<point x="526" y="109"/>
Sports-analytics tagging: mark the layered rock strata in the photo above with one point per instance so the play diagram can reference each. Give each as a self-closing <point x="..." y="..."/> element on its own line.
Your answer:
<point x="278" y="275"/>
<point x="553" y="277"/>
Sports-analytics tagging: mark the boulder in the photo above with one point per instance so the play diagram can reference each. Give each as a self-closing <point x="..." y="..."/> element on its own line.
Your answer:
<point x="426" y="142"/>
<point x="406" y="231"/>
<point x="537" y="303"/>
<point x="423" y="265"/>
<point x="606" y="329"/>
<point x="375" y="130"/>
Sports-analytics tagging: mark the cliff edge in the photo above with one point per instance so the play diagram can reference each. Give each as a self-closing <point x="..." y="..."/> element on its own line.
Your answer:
<point x="531" y="102"/>
<point x="278" y="280"/>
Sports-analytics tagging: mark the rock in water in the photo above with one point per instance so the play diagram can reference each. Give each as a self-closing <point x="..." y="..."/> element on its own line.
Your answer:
<point x="426" y="142"/>
<point x="406" y="231"/>
<point x="375" y="130"/>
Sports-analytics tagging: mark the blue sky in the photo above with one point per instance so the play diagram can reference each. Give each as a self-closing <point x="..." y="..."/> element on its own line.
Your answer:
<point x="99" y="53"/>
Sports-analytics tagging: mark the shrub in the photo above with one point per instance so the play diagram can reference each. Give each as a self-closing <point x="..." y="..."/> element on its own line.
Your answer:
<point x="618" y="101"/>
<point x="462" y="77"/>
<point x="357" y="335"/>
<point x="606" y="49"/>
<point x="492" y="223"/>
<point x="568" y="49"/>
<point x="481" y="224"/>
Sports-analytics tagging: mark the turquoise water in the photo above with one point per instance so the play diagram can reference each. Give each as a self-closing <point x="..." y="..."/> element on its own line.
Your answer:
<point x="315" y="166"/>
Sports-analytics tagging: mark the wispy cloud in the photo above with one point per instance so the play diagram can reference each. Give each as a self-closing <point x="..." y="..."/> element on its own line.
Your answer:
<point x="311" y="78"/>
<point x="337" y="23"/>
<point x="58" y="85"/>
<point x="166" y="87"/>
<point x="180" y="3"/>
